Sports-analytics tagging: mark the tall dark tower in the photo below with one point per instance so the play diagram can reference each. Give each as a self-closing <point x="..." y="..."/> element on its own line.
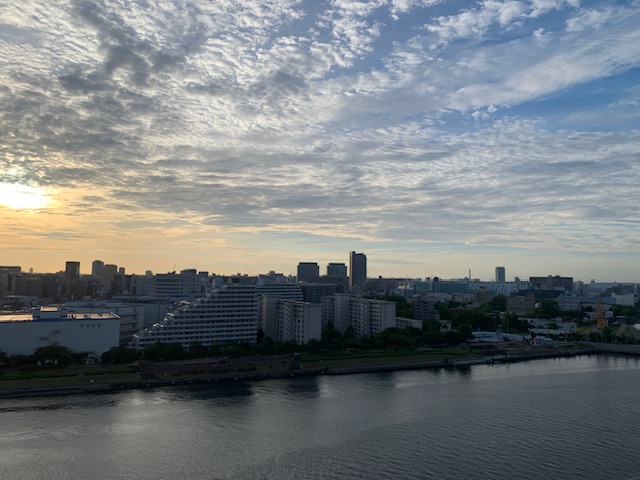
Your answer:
<point x="308" y="272"/>
<point x="357" y="269"/>
<point x="72" y="270"/>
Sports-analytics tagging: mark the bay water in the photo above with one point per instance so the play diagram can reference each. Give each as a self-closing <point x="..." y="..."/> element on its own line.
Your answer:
<point x="565" y="418"/>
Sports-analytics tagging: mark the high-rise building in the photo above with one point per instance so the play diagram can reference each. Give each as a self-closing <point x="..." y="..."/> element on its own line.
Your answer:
<point x="299" y="322"/>
<point x="109" y="270"/>
<point x="72" y="270"/>
<point x="96" y="268"/>
<point x="308" y="272"/>
<point x="500" y="275"/>
<point x="315" y="292"/>
<point x="337" y="272"/>
<point x="175" y="286"/>
<point x="366" y="316"/>
<point x="268" y="295"/>
<point x="357" y="269"/>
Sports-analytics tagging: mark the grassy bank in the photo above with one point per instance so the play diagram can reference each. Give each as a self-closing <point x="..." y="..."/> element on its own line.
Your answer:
<point x="31" y="377"/>
<point x="351" y="359"/>
<point x="17" y="378"/>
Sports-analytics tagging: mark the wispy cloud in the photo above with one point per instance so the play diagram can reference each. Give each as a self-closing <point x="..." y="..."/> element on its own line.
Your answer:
<point x="350" y="119"/>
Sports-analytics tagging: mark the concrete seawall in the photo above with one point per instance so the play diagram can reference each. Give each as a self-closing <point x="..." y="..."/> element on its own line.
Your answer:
<point x="616" y="348"/>
<point x="457" y="362"/>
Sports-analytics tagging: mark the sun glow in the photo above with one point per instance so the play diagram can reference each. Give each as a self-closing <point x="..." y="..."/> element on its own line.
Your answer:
<point x="22" y="197"/>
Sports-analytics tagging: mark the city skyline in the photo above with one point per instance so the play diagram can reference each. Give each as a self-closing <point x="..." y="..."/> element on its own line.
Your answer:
<point x="73" y="269"/>
<point x="435" y="137"/>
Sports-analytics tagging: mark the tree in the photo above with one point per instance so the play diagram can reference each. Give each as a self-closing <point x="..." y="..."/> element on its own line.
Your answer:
<point x="267" y="347"/>
<point x="549" y="308"/>
<point x="57" y="355"/>
<point x="512" y="324"/>
<point x="164" y="351"/>
<point x="499" y="302"/>
<point x="607" y="334"/>
<point x="431" y="326"/>
<point x="350" y="333"/>
<point x="432" y="337"/>
<point x="453" y="338"/>
<point x="120" y="355"/>
<point x="330" y="335"/>
<point x="465" y="332"/>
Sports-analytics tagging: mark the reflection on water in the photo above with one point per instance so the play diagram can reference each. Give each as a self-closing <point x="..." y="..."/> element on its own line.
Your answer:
<point x="489" y="422"/>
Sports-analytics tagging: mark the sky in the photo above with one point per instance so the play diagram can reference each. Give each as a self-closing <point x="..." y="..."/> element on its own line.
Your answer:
<point x="247" y="136"/>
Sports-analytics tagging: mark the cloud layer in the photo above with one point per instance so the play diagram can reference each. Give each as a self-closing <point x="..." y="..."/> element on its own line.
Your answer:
<point x="509" y="124"/>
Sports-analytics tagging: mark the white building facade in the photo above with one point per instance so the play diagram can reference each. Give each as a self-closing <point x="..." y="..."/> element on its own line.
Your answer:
<point x="299" y="322"/>
<point x="366" y="316"/>
<point x="88" y="333"/>
<point x="229" y="314"/>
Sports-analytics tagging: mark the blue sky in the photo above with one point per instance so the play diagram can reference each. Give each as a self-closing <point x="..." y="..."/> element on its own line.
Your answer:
<point x="243" y="136"/>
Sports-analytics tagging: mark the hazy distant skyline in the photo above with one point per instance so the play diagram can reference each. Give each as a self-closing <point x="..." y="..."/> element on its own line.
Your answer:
<point x="247" y="136"/>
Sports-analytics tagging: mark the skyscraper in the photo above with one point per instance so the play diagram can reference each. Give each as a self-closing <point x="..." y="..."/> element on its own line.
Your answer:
<point x="72" y="270"/>
<point x="337" y="272"/>
<point x="500" y="275"/>
<point x="357" y="269"/>
<point x="308" y="272"/>
<point x="97" y="267"/>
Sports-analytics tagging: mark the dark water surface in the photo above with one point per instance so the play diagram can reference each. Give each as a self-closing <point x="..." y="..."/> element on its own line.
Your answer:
<point x="573" y="418"/>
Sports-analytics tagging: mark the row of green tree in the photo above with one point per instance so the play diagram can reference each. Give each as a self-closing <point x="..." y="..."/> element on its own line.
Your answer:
<point x="55" y="356"/>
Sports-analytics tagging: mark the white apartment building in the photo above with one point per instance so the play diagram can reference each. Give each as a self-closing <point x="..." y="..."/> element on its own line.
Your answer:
<point x="228" y="314"/>
<point x="366" y="316"/>
<point x="175" y="286"/>
<point x="335" y="310"/>
<point x="371" y="317"/>
<point x="299" y="321"/>
<point x="268" y="295"/>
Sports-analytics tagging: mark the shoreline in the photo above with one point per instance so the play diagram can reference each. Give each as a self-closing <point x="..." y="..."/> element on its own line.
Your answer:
<point x="151" y="383"/>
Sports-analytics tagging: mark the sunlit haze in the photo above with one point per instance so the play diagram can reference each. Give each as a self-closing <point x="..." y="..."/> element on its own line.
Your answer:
<point x="21" y="197"/>
<point x="247" y="136"/>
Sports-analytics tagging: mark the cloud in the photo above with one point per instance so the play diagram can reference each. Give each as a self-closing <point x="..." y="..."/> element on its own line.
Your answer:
<point x="348" y="118"/>
<point x="476" y="22"/>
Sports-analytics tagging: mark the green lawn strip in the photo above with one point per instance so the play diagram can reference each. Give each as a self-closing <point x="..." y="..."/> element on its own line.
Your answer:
<point x="382" y="358"/>
<point x="63" y="376"/>
<point x="388" y="354"/>
<point x="66" y="381"/>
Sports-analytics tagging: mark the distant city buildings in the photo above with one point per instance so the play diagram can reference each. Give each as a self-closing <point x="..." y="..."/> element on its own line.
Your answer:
<point x="557" y="283"/>
<point x="195" y="307"/>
